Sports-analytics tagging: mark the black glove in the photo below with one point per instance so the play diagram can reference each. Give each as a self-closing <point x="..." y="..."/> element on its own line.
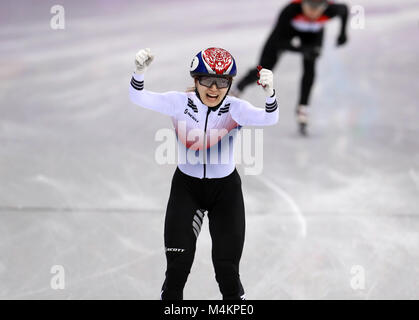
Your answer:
<point x="310" y="53"/>
<point x="341" y="40"/>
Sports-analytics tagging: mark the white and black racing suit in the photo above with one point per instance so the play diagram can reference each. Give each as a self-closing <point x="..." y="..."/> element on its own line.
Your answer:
<point x="205" y="181"/>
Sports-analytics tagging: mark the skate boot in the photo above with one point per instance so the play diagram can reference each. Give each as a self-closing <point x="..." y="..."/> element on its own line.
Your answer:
<point x="302" y="119"/>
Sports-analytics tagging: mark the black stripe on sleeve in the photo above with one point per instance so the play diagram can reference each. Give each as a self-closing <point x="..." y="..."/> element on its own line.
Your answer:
<point x="271" y="107"/>
<point x="138" y="85"/>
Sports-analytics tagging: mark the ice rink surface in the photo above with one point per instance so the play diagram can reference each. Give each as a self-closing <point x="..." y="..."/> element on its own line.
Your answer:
<point x="80" y="187"/>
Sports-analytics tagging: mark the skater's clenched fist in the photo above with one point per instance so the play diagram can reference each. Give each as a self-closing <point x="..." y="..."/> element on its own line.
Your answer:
<point x="266" y="80"/>
<point x="341" y="40"/>
<point x="143" y="58"/>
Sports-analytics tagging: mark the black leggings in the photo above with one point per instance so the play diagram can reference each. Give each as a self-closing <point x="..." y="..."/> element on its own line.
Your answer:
<point x="189" y="198"/>
<point x="272" y="52"/>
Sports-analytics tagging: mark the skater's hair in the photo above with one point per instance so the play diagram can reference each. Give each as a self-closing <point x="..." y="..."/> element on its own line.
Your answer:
<point x="191" y="89"/>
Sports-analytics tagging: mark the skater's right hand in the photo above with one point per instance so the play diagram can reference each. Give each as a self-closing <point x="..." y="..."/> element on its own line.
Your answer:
<point x="143" y="58"/>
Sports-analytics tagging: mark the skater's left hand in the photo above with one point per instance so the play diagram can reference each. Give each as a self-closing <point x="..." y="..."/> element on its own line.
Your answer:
<point x="266" y="80"/>
<point x="341" y="40"/>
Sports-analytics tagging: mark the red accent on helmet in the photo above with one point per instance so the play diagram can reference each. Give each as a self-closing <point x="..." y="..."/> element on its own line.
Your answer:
<point x="219" y="60"/>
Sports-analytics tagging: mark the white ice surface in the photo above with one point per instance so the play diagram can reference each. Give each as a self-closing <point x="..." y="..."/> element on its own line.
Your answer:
<point x="79" y="186"/>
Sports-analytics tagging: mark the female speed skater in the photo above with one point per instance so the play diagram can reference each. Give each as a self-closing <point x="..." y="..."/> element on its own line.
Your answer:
<point x="202" y="183"/>
<point x="303" y="19"/>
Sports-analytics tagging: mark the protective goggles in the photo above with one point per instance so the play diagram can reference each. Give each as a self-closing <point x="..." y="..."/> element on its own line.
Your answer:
<point x="220" y="82"/>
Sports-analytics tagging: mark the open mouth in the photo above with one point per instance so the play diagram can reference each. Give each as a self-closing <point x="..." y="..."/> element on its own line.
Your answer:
<point x="212" y="97"/>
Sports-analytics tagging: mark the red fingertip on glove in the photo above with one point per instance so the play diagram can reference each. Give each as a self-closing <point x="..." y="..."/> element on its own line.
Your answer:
<point x="259" y="68"/>
<point x="261" y="84"/>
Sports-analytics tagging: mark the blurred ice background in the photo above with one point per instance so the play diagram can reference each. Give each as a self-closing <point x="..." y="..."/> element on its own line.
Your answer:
<point x="79" y="186"/>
